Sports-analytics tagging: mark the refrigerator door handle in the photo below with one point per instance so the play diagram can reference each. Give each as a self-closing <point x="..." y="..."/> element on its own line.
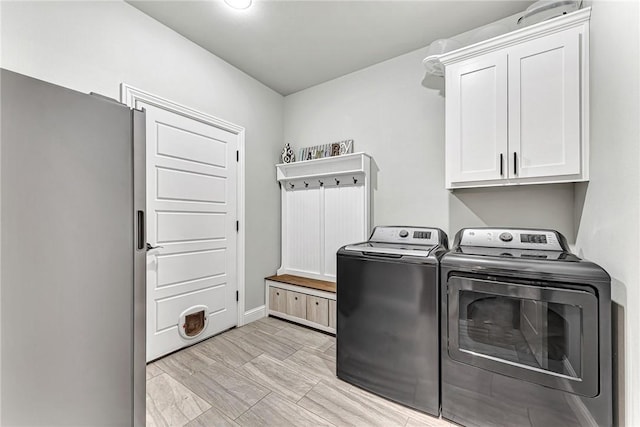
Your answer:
<point x="140" y="238"/>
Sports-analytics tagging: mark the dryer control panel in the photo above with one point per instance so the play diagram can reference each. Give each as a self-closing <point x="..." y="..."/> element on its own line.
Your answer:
<point x="512" y="238"/>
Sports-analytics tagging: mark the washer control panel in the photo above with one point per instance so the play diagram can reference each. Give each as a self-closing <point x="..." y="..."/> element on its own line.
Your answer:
<point x="511" y="238"/>
<point x="406" y="235"/>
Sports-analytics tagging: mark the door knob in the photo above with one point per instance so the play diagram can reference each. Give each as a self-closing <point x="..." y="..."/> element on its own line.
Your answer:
<point x="150" y="248"/>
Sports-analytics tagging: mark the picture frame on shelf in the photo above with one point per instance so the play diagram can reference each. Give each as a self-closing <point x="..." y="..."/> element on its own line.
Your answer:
<point x="346" y="146"/>
<point x="326" y="150"/>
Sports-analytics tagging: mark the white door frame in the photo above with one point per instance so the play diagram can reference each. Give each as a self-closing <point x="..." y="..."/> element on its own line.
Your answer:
<point x="132" y="96"/>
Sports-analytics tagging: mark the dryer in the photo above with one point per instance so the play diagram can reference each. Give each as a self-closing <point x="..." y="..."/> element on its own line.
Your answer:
<point x="388" y="319"/>
<point x="525" y="330"/>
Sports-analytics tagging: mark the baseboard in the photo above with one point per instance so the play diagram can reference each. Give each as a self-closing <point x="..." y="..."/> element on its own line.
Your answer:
<point x="254" y="314"/>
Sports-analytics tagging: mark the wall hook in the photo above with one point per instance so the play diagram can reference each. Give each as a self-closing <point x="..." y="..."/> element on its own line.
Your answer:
<point x="321" y="183"/>
<point x="355" y="180"/>
<point x="292" y="186"/>
<point x="337" y="181"/>
<point x="306" y="184"/>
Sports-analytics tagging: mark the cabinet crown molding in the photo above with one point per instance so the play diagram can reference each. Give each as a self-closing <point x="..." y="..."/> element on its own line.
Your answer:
<point x="540" y="29"/>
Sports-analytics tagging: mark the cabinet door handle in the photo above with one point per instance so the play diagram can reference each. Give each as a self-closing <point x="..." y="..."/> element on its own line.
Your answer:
<point x="296" y="298"/>
<point x="515" y="163"/>
<point x="501" y="164"/>
<point x="317" y="303"/>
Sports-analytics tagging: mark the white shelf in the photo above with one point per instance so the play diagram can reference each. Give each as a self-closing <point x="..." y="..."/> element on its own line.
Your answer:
<point x="327" y="167"/>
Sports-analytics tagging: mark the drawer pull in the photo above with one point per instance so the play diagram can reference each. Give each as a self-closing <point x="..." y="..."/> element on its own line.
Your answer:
<point x="317" y="303"/>
<point x="296" y="298"/>
<point x="278" y="293"/>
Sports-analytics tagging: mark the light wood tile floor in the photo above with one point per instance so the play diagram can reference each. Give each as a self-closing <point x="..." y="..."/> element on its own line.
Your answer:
<point x="267" y="373"/>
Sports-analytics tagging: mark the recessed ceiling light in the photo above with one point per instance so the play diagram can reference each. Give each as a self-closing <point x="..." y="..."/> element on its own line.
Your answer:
<point x="238" y="4"/>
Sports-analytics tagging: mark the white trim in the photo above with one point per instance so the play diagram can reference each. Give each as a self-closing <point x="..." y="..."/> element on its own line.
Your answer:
<point x="517" y="182"/>
<point x="131" y="96"/>
<point x="255" y="314"/>
<point x="554" y="25"/>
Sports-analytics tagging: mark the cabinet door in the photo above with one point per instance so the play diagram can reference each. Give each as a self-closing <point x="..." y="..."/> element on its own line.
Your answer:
<point x="318" y="310"/>
<point x="277" y="299"/>
<point x="476" y="119"/>
<point x="296" y="304"/>
<point x="545" y="106"/>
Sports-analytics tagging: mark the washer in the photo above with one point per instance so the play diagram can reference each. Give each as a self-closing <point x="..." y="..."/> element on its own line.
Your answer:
<point x="387" y="320"/>
<point x="526" y="332"/>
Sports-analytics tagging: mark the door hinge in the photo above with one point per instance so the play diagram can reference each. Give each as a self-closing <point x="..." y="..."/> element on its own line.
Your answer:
<point x="237" y="296"/>
<point x="237" y="226"/>
<point x="237" y="155"/>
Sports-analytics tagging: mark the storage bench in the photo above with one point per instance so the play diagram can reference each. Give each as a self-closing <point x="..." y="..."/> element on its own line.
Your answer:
<point x="309" y="302"/>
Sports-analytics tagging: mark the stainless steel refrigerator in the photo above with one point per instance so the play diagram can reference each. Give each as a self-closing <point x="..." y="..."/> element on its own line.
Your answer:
<point x="72" y="257"/>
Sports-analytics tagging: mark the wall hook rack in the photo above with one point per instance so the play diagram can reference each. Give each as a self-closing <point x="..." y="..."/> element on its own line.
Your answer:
<point x="323" y="200"/>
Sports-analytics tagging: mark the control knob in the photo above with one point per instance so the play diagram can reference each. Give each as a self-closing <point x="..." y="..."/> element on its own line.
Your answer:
<point x="404" y="233"/>
<point x="506" y="237"/>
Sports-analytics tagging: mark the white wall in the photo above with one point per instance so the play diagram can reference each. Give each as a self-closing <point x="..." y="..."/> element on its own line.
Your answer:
<point x="385" y="111"/>
<point x="95" y="46"/>
<point x="401" y="124"/>
<point x="608" y="208"/>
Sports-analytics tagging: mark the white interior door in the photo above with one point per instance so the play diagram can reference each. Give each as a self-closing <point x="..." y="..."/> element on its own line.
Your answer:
<point x="191" y="217"/>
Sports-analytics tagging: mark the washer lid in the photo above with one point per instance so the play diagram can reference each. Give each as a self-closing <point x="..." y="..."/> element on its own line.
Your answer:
<point x="391" y="249"/>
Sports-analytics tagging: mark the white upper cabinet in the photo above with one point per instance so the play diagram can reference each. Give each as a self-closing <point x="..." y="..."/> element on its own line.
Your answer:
<point x="476" y="114"/>
<point x="544" y="105"/>
<point x="517" y="106"/>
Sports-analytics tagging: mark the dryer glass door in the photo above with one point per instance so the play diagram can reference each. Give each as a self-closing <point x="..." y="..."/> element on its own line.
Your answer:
<point x="539" y="333"/>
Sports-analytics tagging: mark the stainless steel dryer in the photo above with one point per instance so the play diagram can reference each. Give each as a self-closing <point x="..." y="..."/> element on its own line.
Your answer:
<point x="526" y="332"/>
<point x="387" y="331"/>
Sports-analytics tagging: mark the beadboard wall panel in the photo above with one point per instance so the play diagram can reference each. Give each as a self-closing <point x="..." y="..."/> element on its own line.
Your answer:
<point x="344" y="219"/>
<point x="303" y="231"/>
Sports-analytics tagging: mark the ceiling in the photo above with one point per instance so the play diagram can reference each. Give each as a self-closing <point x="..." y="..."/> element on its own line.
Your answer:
<point x="290" y="45"/>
